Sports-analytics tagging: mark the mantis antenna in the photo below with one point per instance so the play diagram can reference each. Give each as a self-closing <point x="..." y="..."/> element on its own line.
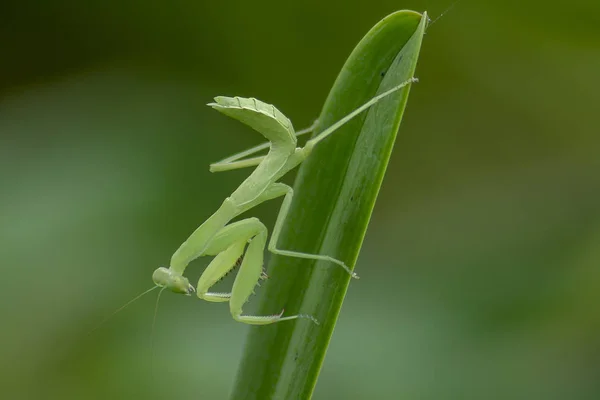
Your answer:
<point x="124" y="306"/>
<point x="152" y="332"/>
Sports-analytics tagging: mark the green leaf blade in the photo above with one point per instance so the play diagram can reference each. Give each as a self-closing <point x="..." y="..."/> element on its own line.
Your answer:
<point x="335" y="192"/>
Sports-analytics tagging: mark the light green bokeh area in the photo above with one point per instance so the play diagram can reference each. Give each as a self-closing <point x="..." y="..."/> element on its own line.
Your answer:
<point x="481" y="266"/>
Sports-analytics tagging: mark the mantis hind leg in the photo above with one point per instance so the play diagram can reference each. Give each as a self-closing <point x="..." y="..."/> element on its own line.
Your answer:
<point x="238" y="160"/>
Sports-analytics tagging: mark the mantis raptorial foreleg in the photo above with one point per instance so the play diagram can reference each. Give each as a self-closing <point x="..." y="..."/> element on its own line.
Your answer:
<point x="216" y="270"/>
<point x="227" y="241"/>
<point x="243" y="286"/>
<point x="235" y="236"/>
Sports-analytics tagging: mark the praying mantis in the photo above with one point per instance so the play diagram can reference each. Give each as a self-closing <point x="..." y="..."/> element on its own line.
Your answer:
<point x="246" y="239"/>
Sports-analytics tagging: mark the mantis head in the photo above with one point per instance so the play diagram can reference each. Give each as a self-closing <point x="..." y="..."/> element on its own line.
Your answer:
<point x="168" y="279"/>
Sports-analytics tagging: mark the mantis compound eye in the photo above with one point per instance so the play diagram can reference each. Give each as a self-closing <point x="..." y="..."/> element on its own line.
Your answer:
<point x="168" y="279"/>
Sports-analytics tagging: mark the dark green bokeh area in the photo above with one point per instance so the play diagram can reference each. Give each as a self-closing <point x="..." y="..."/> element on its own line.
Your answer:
<point x="481" y="266"/>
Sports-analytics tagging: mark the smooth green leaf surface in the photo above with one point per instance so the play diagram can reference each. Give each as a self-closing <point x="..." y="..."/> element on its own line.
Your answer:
<point x="335" y="192"/>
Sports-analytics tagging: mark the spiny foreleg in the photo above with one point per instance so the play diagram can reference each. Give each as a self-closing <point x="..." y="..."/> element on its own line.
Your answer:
<point x="248" y="276"/>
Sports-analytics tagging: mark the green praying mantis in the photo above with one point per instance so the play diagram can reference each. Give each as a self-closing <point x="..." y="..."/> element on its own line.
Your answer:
<point x="246" y="239"/>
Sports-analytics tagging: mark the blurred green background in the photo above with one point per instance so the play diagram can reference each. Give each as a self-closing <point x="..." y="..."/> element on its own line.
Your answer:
<point x="481" y="266"/>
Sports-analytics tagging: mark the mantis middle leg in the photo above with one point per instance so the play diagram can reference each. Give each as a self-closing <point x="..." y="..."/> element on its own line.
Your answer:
<point x="278" y="190"/>
<point x="284" y="190"/>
